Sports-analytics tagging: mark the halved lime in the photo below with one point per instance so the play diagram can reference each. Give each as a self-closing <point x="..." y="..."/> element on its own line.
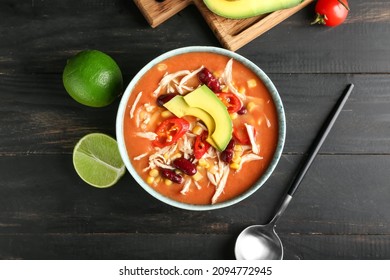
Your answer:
<point x="97" y="160"/>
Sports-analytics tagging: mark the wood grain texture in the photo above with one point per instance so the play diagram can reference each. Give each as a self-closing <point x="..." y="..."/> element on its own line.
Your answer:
<point x="157" y="12"/>
<point x="47" y="212"/>
<point x="59" y="202"/>
<point x="39" y="39"/>
<point x="39" y="117"/>
<point x="124" y="246"/>
<point x="232" y="33"/>
<point x="67" y="220"/>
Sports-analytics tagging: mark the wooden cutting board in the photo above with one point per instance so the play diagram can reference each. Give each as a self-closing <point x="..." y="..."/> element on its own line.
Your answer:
<point x="231" y="33"/>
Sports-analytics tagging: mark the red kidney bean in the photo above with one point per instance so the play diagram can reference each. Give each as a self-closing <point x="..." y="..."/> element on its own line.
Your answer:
<point x="185" y="166"/>
<point x="231" y="144"/>
<point x="164" y="98"/>
<point x="172" y="175"/>
<point x="207" y="78"/>
<point x="227" y="154"/>
<point x="242" y="111"/>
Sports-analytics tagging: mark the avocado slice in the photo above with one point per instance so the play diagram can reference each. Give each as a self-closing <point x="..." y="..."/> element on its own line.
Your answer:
<point x="238" y="9"/>
<point x="179" y="107"/>
<point x="205" y="99"/>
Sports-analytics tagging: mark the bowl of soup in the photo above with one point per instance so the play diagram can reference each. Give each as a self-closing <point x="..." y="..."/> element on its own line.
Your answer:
<point x="200" y="128"/>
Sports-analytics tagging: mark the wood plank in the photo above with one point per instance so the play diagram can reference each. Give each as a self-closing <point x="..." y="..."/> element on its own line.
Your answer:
<point x="38" y="116"/>
<point x="336" y="247"/>
<point x="232" y="33"/>
<point x="342" y="194"/>
<point x="128" y="246"/>
<point x="43" y="194"/>
<point x="362" y="126"/>
<point x="47" y="212"/>
<point x="121" y="246"/>
<point x="40" y="39"/>
<point x="157" y="12"/>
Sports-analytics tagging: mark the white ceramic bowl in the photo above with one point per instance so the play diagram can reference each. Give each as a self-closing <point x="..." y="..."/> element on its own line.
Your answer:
<point x="276" y="99"/>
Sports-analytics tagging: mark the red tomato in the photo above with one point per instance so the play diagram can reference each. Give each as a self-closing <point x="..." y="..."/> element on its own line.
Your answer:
<point x="331" y="12"/>
<point x="169" y="131"/>
<point x="231" y="101"/>
<point x="201" y="145"/>
<point x="241" y="134"/>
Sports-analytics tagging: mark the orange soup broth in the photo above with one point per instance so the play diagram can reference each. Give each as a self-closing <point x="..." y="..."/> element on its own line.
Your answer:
<point x="263" y="118"/>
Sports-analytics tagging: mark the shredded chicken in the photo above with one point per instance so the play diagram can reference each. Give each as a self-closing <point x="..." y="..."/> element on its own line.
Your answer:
<point x="135" y="104"/>
<point x="146" y="114"/>
<point x="268" y="122"/>
<point x="198" y="186"/>
<point x="148" y="107"/>
<point x="138" y="117"/>
<point x="251" y="133"/>
<point x="186" y="78"/>
<point x="147" y="135"/>
<point x="171" y="83"/>
<point x="162" y="158"/>
<point x="186" y="145"/>
<point x="248" y="157"/>
<point x="228" y="80"/>
<point x="166" y="81"/>
<point x="160" y="162"/>
<point x="141" y="156"/>
<point x="221" y="185"/>
<point x="186" y="187"/>
<point x="211" y="178"/>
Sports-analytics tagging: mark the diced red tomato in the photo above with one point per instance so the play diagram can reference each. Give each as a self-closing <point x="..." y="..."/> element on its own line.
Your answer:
<point x="201" y="145"/>
<point x="231" y="101"/>
<point x="169" y="131"/>
<point x="241" y="134"/>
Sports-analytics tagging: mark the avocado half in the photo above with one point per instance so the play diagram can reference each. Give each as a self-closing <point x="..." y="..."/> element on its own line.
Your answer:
<point x="205" y="105"/>
<point x="205" y="99"/>
<point x="179" y="107"/>
<point x="239" y="9"/>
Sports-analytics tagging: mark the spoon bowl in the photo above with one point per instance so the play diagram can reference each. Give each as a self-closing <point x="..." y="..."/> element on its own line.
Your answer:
<point x="260" y="242"/>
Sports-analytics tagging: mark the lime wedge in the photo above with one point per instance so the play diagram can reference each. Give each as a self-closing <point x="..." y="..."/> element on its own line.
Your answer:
<point x="97" y="160"/>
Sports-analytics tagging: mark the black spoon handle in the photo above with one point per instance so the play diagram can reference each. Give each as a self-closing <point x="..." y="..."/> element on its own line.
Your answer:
<point x="319" y="140"/>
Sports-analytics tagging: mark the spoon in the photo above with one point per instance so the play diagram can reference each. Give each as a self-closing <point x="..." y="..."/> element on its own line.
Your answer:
<point x="261" y="242"/>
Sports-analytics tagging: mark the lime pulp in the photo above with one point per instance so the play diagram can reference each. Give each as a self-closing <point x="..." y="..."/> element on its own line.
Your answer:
<point x="97" y="161"/>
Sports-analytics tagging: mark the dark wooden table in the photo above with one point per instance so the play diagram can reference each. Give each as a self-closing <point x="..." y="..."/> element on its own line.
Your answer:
<point x="341" y="210"/>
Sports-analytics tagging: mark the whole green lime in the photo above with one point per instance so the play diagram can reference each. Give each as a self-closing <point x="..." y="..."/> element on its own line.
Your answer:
<point x="92" y="78"/>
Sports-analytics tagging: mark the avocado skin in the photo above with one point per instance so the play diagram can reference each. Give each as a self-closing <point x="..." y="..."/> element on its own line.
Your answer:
<point x="240" y="9"/>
